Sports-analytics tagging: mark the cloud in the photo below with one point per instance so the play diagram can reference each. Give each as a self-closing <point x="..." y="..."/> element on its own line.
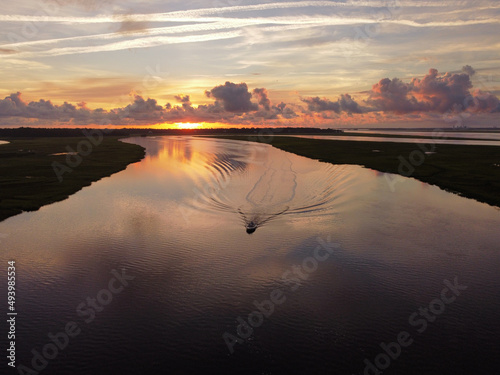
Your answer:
<point x="392" y="95"/>
<point x="481" y="101"/>
<point x="389" y="100"/>
<point x="349" y="105"/>
<point x="129" y="26"/>
<point x="433" y="93"/>
<point x="469" y="70"/>
<point x="141" y="110"/>
<point x="344" y="104"/>
<point x="232" y="104"/>
<point x="14" y="106"/>
<point x="146" y="42"/>
<point x="320" y="105"/>
<point x="202" y="13"/>
<point x="179" y="16"/>
<point x="235" y="21"/>
<point x="285" y="111"/>
<point x="183" y="98"/>
<point x="234" y="97"/>
<point x="262" y="98"/>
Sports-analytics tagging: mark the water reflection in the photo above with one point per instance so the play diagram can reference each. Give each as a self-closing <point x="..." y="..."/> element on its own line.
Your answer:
<point x="257" y="183"/>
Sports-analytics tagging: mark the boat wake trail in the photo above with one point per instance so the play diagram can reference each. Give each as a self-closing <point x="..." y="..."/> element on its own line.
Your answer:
<point x="264" y="183"/>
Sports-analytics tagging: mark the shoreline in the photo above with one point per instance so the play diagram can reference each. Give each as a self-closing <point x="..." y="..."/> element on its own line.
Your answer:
<point x="29" y="181"/>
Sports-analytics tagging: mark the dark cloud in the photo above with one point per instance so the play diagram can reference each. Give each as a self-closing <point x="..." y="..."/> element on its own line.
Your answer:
<point x="469" y="70"/>
<point x="349" y="105"/>
<point x="141" y="110"/>
<point x="185" y="100"/>
<point x="393" y="95"/>
<point x="228" y="109"/>
<point x="442" y="92"/>
<point x="234" y="97"/>
<point x="285" y="111"/>
<point x="262" y="98"/>
<point x="320" y="105"/>
<point x="182" y="98"/>
<point x="14" y="106"/>
<point x="129" y="25"/>
<point x="433" y="93"/>
<point x="344" y="104"/>
<point x="481" y="101"/>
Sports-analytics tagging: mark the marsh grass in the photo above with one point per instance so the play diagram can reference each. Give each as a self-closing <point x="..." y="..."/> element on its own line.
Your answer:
<point x="28" y="180"/>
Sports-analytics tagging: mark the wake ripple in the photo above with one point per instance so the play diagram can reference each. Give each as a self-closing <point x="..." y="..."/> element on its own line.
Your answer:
<point x="261" y="186"/>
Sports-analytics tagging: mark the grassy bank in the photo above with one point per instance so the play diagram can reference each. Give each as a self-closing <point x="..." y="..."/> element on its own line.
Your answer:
<point x="27" y="177"/>
<point x="471" y="171"/>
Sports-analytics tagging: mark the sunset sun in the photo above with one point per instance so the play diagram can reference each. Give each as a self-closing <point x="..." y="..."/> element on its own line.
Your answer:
<point x="188" y="125"/>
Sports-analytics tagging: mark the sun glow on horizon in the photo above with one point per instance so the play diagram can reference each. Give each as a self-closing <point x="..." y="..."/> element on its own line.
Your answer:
<point x="188" y="125"/>
<point x="191" y="125"/>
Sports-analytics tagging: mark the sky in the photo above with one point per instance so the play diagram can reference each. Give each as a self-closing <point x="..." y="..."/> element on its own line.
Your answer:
<point x="219" y="63"/>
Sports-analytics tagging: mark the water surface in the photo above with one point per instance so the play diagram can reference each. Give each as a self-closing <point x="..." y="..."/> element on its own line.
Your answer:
<point x="177" y="222"/>
<point x="437" y="140"/>
<point x="492" y="135"/>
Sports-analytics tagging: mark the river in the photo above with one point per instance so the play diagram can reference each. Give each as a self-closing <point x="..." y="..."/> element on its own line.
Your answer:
<point x="215" y="256"/>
